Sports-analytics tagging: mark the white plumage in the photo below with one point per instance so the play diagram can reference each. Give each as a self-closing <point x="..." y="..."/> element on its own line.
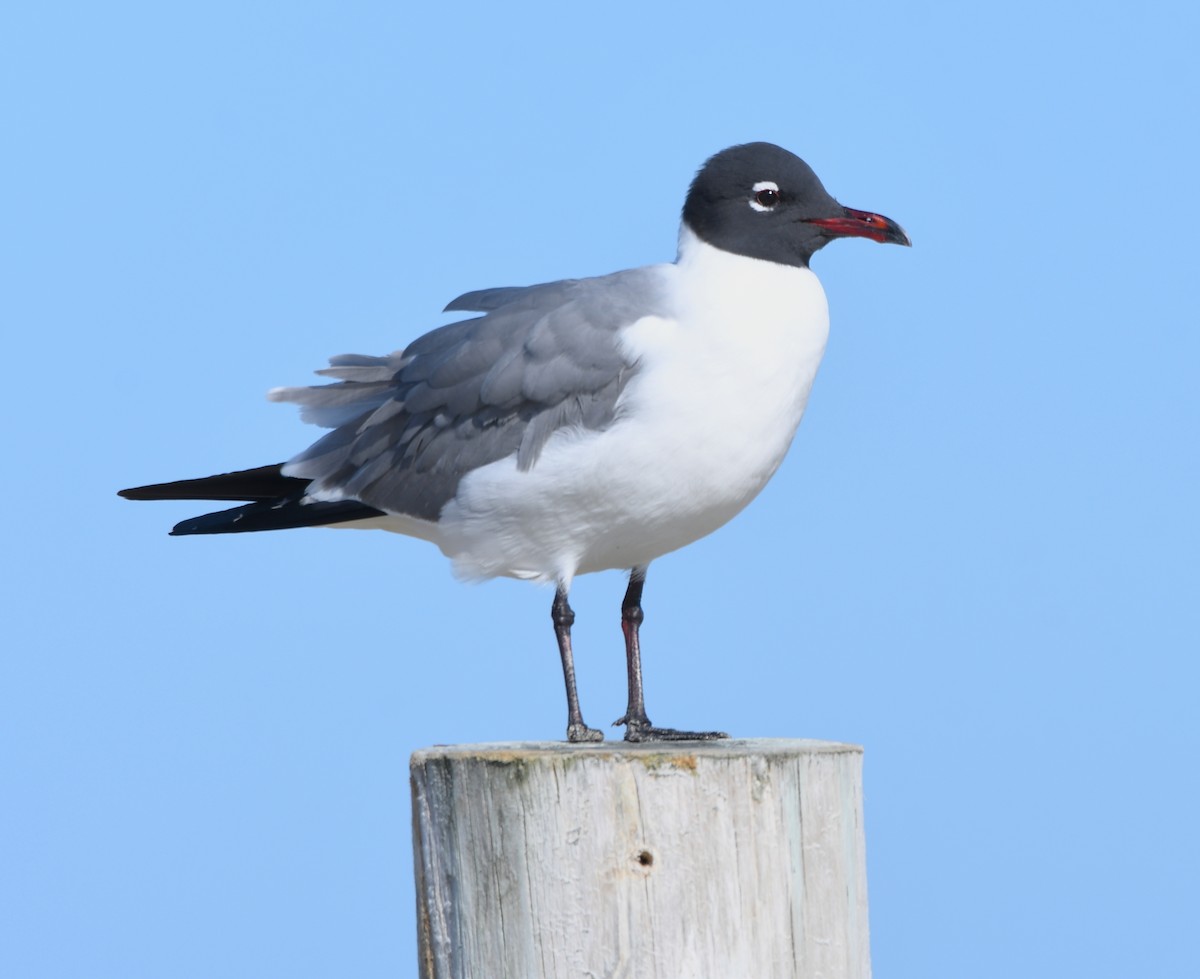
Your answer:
<point x="705" y="422"/>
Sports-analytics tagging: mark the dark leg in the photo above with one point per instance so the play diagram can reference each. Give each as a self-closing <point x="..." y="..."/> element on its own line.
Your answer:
<point x="563" y="618"/>
<point x="631" y="621"/>
<point x="637" y="724"/>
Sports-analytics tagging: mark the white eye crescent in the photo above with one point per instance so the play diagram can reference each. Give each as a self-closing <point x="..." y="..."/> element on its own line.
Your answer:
<point x="766" y="195"/>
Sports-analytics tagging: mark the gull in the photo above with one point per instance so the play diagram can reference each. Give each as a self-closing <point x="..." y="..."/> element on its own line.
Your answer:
<point x="580" y="425"/>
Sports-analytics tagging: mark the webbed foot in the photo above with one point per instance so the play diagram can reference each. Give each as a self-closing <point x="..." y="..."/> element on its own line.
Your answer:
<point x="582" y="734"/>
<point x="641" y="730"/>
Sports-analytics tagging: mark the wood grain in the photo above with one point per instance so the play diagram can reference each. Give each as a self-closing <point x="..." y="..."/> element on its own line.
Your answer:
<point x="709" y="860"/>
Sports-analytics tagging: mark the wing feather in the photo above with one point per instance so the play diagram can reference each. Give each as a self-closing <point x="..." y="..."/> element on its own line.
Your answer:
<point x="407" y="427"/>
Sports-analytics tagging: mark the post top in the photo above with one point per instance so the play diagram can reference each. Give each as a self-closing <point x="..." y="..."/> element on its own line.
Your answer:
<point x="508" y="751"/>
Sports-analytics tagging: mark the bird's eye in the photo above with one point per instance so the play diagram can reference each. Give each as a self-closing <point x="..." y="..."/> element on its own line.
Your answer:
<point x="766" y="195"/>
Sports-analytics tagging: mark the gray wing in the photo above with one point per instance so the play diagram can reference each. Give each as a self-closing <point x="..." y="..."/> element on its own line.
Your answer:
<point x="407" y="427"/>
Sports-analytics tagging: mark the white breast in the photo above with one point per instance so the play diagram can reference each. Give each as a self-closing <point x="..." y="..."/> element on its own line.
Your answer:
<point x="703" y="425"/>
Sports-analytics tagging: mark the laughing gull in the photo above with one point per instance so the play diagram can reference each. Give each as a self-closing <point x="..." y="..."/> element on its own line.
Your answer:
<point x="579" y="425"/>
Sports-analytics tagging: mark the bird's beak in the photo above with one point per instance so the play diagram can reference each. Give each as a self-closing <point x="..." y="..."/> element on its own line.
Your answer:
<point x="862" y="224"/>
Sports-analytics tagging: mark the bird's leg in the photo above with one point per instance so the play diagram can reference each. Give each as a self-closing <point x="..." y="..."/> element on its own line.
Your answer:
<point x="637" y="724"/>
<point x="563" y="618"/>
<point x="631" y="619"/>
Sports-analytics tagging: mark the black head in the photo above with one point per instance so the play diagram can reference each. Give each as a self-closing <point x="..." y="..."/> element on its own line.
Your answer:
<point x="761" y="201"/>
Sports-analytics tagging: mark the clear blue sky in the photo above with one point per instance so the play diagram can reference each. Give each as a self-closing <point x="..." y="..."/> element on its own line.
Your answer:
<point x="979" y="560"/>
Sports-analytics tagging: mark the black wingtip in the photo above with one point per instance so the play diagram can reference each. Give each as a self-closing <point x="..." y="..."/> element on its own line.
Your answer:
<point x="220" y="522"/>
<point x="260" y="483"/>
<point x="274" y="515"/>
<point x="276" y="502"/>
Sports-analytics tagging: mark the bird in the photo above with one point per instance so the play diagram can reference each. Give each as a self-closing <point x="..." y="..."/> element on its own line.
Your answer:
<point x="580" y="425"/>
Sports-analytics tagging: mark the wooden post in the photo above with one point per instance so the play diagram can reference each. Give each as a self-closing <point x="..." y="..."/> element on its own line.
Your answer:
<point x="718" y="860"/>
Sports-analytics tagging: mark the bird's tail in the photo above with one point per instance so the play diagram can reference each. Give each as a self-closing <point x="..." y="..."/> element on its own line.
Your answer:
<point x="275" y="502"/>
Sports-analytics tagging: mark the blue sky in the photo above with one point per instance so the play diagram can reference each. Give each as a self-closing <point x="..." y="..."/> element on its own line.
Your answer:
<point x="979" y="560"/>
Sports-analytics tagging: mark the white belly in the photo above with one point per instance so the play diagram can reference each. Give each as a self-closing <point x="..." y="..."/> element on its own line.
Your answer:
<point x="701" y="427"/>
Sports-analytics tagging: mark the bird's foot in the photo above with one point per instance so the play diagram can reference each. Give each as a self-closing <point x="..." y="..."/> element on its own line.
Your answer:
<point x="639" y="730"/>
<point x="582" y="734"/>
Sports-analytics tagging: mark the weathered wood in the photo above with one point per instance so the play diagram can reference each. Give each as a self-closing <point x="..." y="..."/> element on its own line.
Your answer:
<point x="726" y="860"/>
